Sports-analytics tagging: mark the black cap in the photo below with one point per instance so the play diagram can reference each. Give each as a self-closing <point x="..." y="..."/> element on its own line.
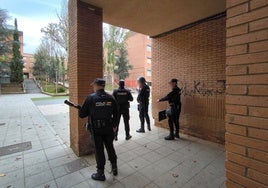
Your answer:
<point x="99" y="82"/>
<point x="173" y="80"/>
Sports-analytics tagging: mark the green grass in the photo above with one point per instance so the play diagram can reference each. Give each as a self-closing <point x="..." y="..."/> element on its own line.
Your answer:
<point x="49" y="98"/>
<point x="50" y="88"/>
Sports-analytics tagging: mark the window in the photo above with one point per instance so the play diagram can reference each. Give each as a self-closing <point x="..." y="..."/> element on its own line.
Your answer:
<point x="149" y="72"/>
<point x="148" y="48"/>
<point x="149" y="61"/>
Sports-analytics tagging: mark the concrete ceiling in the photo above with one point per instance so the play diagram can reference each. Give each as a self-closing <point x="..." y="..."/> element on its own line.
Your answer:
<point x="154" y="17"/>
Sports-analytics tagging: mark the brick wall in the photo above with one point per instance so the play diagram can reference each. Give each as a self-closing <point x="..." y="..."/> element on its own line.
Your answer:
<point x="247" y="93"/>
<point x="85" y="64"/>
<point x="147" y="63"/>
<point x="136" y="47"/>
<point x="28" y="61"/>
<point x="195" y="56"/>
<point x="136" y="56"/>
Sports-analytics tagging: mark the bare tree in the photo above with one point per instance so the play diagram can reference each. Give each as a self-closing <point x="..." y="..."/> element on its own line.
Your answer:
<point x="57" y="35"/>
<point x="5" y="33"/>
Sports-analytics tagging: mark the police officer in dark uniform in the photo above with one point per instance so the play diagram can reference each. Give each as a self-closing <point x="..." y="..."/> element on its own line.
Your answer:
<point x="143" y="100"/>
<point x="102" y="112"/>
<point x="174" y="100"/>
<point x="123" y="97"/>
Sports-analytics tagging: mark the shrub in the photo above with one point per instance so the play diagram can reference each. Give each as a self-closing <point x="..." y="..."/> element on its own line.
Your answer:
<point x="61" y="90"/>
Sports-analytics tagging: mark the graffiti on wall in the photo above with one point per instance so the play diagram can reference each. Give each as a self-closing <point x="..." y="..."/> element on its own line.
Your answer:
<point x="203" y="89"/>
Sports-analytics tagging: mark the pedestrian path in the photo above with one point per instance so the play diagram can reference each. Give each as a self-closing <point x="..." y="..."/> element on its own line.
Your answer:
<point x="32" y="154"/>
<point x="30" y="86"/>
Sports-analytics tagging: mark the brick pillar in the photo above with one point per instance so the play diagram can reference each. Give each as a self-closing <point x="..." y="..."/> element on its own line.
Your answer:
<point x="247" y="94"/>
<point x="85" y="64"/>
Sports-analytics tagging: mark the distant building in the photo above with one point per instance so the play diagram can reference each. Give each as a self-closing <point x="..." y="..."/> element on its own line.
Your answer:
<point x="139" y="56"/>
<point x="28" y="62"/>
<point x="28" y="59"/>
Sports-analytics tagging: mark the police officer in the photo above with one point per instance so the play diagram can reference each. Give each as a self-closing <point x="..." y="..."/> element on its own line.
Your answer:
<point x="174" y="100"/>
<point x="123" y="97"/>
<point x="102" y="112"/>
<point x="143" y="103"/>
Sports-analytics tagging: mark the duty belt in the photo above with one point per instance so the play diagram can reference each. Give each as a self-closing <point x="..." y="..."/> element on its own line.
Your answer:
<point x="98" y="124"/>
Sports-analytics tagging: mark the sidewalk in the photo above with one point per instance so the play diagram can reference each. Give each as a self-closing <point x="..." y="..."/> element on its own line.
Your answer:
<point x="42" y="159"/>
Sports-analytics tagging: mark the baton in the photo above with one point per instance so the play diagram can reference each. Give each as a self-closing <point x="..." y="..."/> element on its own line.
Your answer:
<point x="69" y="103"/>
<point x="86" y="125"/>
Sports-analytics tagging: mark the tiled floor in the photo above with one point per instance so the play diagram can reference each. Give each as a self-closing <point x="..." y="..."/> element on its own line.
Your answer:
<point x="147" y="160"/>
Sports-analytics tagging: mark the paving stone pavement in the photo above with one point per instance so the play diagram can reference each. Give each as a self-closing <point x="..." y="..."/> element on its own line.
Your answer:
<point x="145" y="161"/>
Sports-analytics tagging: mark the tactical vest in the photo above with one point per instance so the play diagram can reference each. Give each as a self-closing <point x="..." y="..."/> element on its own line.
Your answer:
<point x="122" y="97"/>
<point x="144" y="94"/>
<point x="147" y="92"/>
<point x="102" y="107"/>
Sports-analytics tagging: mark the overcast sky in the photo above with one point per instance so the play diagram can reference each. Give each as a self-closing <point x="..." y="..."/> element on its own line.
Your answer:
<point x="32" y="15"/>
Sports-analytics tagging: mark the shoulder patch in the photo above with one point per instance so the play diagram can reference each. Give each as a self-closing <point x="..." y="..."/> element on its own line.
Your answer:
<point x="102" y="104"/>
<point x="122" y="93"/>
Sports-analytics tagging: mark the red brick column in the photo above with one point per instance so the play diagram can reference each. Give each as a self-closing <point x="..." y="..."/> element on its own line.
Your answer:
<point x="247" y="93"/>
<point x="85" y="64"/>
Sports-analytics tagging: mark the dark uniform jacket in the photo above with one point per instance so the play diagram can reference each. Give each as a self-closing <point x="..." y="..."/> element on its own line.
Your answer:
<point x="144" y="94"/>
<point x="174" y="97"/>
<point x="122" y="97"/>
<point x="100" y="106"/>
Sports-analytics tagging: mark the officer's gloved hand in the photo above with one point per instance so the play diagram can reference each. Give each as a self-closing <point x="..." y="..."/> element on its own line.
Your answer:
<point x="79" y="107"/>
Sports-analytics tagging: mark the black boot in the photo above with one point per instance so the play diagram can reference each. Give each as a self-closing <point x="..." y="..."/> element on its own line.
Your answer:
<point x="141" y="130"/>
<point x="177" y="135"/>
<point x="128" y="137"/>
<point x="114" y="169"/>
<point x="169" y="137"/>
<point x="149" y="127"/>
<point x="99" y="176"/>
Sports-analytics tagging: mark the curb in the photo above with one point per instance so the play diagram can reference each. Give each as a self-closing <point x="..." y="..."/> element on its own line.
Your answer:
<point x="53" y="95"/>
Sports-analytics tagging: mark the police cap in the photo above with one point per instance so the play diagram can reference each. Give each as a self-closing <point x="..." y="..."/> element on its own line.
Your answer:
<point x="99" y="82"/>
<point x="173" y="80"/>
